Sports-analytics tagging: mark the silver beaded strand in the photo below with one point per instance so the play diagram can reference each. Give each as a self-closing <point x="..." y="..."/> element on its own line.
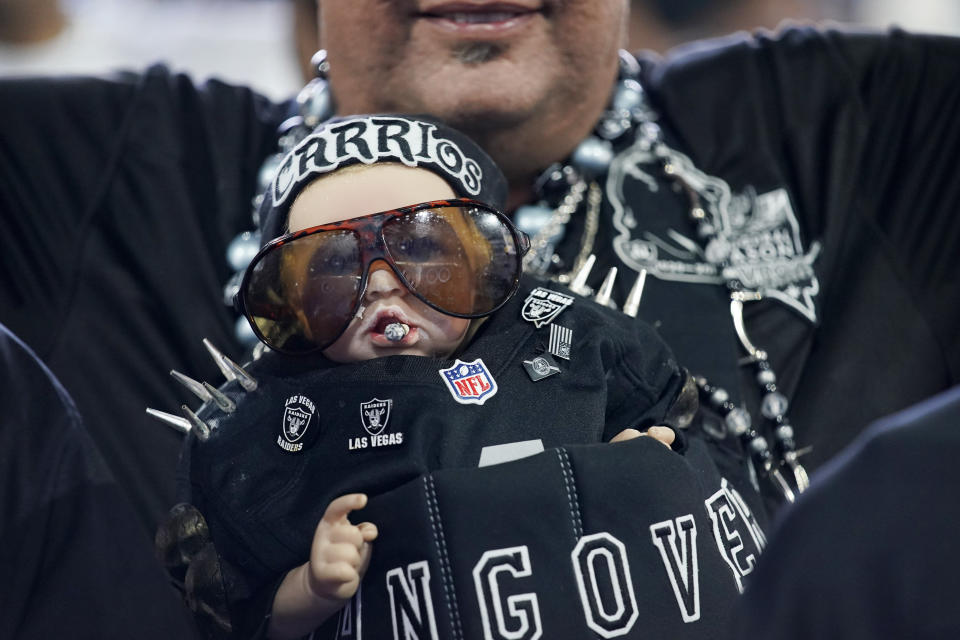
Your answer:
<point x="314" y="104"/>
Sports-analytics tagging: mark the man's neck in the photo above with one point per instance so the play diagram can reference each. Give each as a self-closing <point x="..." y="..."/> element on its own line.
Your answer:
<point x="525" y="150"/>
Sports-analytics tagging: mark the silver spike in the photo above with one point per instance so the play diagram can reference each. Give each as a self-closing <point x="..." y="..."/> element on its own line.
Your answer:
<point x="606" y="289"/>
<point x="198" y="426"/>
<point x="226" y="404"/>
<point x="192" y="385"/>
<point x="248" y="382"/>
<point x="632" y="305"/>
<point x="799" y="473"/>
<point x="780" y="482"/>
<point x="736" y="310"/>
<point x="180" y="424"/>
<point x="579" y="283"/>
<point x="219" y="358"/>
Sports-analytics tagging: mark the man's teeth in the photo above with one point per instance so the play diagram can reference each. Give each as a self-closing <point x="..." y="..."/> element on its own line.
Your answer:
<point x="475" y="18"/>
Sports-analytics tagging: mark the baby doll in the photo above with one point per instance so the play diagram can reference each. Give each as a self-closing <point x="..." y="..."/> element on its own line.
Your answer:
<point x="386" y="290"/>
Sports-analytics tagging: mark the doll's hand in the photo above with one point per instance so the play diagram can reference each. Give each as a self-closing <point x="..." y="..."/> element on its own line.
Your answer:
<point x="316" y="590"/>
<point x="341" y="551"/>
<point x="660" y="434"/>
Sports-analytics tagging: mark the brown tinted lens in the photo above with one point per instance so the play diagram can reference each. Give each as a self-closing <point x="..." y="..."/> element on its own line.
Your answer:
<point x="301" y="294"/>
<point x="463" y="260"/>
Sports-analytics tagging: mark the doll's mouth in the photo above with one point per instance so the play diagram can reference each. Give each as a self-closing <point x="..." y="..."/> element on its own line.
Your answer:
<point x="391" y="328"/>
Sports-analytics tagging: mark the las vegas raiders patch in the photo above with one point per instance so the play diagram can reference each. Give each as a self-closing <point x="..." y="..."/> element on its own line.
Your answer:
<point x="375" y="419"/>
<point x="543" y="305"/>
<point x="298" y="418"/>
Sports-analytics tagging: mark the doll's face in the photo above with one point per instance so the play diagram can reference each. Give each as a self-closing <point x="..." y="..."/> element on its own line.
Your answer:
<point x="360" y="190"/>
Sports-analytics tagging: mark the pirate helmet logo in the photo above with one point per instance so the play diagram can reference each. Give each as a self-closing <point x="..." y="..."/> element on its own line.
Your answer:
<point x="297" y="416"/>
<point x="375" y="414"/>
<point x="543" y="305"/>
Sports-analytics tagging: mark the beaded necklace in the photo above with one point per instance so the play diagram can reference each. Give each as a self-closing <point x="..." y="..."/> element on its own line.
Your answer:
<point x="630" y="116"/>
<point x="561" y="191"/>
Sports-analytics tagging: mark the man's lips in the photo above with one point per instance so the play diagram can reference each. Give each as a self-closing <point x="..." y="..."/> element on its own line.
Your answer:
<point x="479" y="16"/>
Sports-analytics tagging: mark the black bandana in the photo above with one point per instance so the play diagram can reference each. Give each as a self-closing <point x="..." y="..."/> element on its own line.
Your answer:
<point x="415" y="141"/>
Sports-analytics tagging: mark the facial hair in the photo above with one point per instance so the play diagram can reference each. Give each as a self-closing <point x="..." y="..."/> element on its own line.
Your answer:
<point x="477" y="52"/>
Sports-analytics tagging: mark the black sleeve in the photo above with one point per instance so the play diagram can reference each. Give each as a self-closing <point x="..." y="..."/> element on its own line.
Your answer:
<point x="643" y="379"/>
<point x="77" y="153"/>
<point x="58" y="139"/>
<point x="860" y="126"/>
<point x="76" y="562"/>
<point x="118" y="199"/>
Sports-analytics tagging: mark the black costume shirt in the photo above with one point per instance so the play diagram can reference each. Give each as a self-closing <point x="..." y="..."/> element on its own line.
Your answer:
<point x="118" y="198"/>
<point x="393" y="426"/>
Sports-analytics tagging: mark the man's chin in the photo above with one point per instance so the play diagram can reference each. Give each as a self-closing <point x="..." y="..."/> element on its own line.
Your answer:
<point x="485" y="104"/>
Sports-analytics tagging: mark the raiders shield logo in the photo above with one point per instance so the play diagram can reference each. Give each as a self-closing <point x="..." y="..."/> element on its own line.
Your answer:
<point x="375" y="414"/>
<point x="543" y="305"/>
<point x="469" y="382"/>
<point x="297" y="415"/>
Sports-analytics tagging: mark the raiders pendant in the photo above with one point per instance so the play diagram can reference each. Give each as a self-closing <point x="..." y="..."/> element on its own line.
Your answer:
<point x="540" y="367"/>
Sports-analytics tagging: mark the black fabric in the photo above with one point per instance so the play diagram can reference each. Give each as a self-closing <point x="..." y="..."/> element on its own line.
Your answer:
<point x="870" y="551"/>
<point x="499" y="548"/>
<point x="117" y="199"/>
<point x="858" y="129"/>
<point x="419" y="141"/>
<point x="851" y="130"/>
<point x="262" y="501"/>
<point x="76" y="562"/>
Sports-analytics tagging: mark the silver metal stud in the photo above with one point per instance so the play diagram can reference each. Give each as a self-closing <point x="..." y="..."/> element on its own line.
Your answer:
<point x="606" y="289"/>
<point x="180" y="424"/>
<point x="193" y="386"/>
<point x="226" y="404"/>
<point x="579" y="283"/>
<point x="219" y="359"/>
<point x="198" y="426"/>
<point x="248" y="382"/>
<point x="632" y="305"/>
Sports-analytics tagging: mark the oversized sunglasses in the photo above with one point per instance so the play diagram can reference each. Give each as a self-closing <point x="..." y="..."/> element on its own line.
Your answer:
<point x="460" y="257"/>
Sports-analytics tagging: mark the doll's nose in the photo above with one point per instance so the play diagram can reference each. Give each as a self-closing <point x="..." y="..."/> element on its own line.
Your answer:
<point x="382" y="282"/>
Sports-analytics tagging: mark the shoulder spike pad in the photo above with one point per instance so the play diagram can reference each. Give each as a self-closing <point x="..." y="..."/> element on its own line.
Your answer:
<point x="606" y="289"/>
<point x="632" y="305"/>
<point x="579" y="283"/>
<point x="180" y="424"/>
<point x="192" y="385"/>
<point x="198" y="426"/>
<point x="226" y="404"/>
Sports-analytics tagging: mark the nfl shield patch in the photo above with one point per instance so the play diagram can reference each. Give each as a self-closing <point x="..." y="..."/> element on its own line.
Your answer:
<point x="469" y="382"/>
